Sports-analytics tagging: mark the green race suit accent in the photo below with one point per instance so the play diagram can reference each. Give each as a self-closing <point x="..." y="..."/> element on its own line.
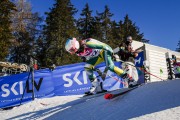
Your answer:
<point x="94" y="52"/>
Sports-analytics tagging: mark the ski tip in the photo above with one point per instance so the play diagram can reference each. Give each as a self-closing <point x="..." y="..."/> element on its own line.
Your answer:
<point x="108" y="96"/>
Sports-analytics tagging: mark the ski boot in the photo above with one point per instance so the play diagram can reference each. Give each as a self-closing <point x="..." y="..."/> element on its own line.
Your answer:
<point x="126" y="79"/>
<point x="97" y="87"/>
<point x="129" y="82"/>
<point x="132" y="83"/>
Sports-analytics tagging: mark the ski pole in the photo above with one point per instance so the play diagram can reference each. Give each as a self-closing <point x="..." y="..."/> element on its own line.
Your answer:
<point x="101" y="74"/>
<point x="151" y="74"/>
<point x="117" y="79"/>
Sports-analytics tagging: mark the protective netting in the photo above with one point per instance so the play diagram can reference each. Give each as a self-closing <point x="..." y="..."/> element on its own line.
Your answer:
<point x="7" y="68"/>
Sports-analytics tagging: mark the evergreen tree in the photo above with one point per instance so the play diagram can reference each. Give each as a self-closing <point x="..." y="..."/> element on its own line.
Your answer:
<point x="97" y="28"/>
<point x="60" y="25"/>
<point x="128" y="28"/>
<point x="85" y="25"/>
<point x="40" y="51"/>
<point x="115" y="35"/>
<point x="6" y="8"/>
<point x="105" y="20"/>
<point x="26" y="29"/>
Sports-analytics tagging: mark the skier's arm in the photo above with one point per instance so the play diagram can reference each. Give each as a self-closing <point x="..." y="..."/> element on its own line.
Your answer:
<point x="98" y="46"/>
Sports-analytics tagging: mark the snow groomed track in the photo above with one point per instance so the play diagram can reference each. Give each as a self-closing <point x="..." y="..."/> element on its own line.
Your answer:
<point x="147" y="99"/>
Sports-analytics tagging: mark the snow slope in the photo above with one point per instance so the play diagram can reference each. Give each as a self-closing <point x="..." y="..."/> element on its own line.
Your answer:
<point x="154" y="101"/>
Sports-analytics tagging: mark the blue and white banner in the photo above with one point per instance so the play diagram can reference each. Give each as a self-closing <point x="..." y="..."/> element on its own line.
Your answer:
<point x="139" y="62"/>
<point x="64" y="80"/>
<point x="139" y="59"/>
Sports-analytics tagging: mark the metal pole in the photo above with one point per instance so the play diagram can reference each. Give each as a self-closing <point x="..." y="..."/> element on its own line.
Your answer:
<point x="32" y="76"/>
<point x="32" y="80"/>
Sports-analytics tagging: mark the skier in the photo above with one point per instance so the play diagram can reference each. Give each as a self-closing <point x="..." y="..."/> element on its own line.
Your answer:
<point x="127" y="54"/>
<point x="93" y="52"/>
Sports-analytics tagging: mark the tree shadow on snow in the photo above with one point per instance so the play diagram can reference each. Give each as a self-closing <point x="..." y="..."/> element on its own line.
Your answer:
<point x="48" y="111"/>
<point x="147" y="99"/>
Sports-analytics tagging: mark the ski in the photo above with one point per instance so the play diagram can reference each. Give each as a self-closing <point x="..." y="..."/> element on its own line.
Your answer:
<point x="85" y="96"/>
<point x="119" y="92"/>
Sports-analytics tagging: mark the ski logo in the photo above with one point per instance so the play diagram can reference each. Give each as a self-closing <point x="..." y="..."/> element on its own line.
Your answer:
<point x="17" y="88"/>
<point x="71" y="79"/>
<point x="138" y="61"/>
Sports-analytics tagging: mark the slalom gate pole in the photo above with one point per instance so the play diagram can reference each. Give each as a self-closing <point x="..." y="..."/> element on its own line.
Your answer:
<point x="143" y="69"/>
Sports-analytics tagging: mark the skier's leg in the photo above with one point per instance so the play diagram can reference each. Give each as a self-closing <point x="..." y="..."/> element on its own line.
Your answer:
<point x="124" y="73"/>
<point x="132" y="75"/>
<point x="96" y="84"/>
<point x="110" y="64"/>
<point x="135" y="77"/>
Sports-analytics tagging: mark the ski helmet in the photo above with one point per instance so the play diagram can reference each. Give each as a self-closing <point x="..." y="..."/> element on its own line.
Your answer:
<point x="72" y="45"/>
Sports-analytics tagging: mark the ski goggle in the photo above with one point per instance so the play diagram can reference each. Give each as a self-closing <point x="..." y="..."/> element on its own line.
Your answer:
<point x="73" y="50"/>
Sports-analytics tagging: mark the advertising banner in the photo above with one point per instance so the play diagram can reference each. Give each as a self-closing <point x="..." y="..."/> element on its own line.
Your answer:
<point x="63" y="80"/>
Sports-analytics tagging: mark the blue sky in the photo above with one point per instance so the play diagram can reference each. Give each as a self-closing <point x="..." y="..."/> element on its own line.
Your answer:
<point x="159" y="20"/>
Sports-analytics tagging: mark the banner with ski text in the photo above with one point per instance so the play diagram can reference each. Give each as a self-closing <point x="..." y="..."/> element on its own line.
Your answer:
<point x="64" y="80"/>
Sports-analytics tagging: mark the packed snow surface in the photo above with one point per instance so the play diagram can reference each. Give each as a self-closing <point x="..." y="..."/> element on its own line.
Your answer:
<point x="153" y="101"/>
